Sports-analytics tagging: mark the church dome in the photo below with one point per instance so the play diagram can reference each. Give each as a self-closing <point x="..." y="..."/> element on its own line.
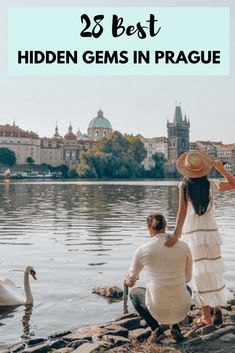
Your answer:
<point x="100" y="122"/>
<point x="70" y="135"/>
<point x="85" y="137"/>
<point x="79" y="135"/>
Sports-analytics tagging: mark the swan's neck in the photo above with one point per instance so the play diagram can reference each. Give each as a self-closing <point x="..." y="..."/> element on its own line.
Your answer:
<point x="27" y="289"/>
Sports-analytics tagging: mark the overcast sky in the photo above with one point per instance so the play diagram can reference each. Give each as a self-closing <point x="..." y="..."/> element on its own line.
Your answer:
<point x="133" y="104"/>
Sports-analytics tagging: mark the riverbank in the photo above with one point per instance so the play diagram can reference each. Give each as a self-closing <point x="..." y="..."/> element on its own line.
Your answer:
<point x="128" y="333"/>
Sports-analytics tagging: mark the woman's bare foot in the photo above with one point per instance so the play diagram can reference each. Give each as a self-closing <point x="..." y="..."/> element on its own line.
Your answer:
<point x="202" y="321"/>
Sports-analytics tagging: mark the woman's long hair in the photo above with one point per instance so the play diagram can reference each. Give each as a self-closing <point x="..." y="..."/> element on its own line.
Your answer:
<point x="198" y="191"/>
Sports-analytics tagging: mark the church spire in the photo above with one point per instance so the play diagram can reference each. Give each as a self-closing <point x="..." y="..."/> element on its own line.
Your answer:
<point x="70" y="128"/>
<point x="178" y="118"/>
<point x="100" y="113"/>
<point x="56" y="134"/>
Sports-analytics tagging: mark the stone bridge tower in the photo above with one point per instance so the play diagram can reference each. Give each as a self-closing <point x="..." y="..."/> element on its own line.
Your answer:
<point x="178" y="135"/>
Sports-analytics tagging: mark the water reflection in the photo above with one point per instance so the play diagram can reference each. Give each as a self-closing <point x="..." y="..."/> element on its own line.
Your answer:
<point x="26" y="334"/>
<point x="6" y="312"/>
<point x="6" y="186"/>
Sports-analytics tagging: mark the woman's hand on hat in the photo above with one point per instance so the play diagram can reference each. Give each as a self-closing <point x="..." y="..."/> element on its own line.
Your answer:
<point x="171" y="241"/>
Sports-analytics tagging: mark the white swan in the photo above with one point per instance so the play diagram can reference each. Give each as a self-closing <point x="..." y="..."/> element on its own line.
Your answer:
<point x="10" y="294"/>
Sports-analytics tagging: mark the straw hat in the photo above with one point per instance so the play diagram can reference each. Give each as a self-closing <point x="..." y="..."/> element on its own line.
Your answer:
<point x="194" y="164"/>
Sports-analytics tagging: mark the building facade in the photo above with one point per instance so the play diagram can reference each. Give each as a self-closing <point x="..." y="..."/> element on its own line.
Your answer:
<point x="25" y="144"/>
<point x="55" y="150"/>
<point x="153" y="145"/>
<point x="162" y="145"/>
<point x="51" y="151"/>
<point x="64" y="150"/>
<point x="150" y="146"/>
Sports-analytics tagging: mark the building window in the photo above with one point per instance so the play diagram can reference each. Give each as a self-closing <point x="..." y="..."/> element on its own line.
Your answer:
<point x="67" y="155"/>
<point x="105" y="133"/>
<point x="96" y="133"/>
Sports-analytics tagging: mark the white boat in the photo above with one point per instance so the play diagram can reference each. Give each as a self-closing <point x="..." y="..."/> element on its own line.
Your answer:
<point x="7" y="174"/>
<point x="32" y="175"/>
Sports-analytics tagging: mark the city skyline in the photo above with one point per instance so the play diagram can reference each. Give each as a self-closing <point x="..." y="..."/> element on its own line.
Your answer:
<point x="70" y="128"/>
<point x="58" y="150"/>
<point x="133" y="104"/>
<point x="84" y="131"/>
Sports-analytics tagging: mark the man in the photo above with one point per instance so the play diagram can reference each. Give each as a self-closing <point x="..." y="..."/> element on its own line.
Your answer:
<point x="166" y="298"/>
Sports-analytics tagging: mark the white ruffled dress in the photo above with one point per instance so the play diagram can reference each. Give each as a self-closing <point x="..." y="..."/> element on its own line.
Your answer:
<point x="203" y="238"/>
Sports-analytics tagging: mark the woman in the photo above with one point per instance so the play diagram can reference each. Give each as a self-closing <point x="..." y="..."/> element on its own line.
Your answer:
<point x="195" y="220"/>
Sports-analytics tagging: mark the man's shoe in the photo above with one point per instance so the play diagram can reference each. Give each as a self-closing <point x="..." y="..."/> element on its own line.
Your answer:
<point x="218" y="317"/>
<point x="176" y="333"/>
<point x="157" y="335"/>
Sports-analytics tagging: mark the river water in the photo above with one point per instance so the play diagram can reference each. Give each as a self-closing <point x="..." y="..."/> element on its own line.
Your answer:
<point x="78" y="235"/>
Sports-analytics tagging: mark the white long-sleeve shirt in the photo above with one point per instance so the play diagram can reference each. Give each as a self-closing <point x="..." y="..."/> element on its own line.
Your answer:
<point x="168" y="270"/>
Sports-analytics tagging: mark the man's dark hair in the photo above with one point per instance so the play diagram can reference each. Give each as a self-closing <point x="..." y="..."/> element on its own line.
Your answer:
<point x="156" y="221"/>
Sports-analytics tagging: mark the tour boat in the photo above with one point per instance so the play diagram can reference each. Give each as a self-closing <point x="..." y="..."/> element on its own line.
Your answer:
<point x="32" y="175"/>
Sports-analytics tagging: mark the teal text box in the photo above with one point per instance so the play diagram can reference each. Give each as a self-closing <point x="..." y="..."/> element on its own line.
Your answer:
<point x="59" y="29"/>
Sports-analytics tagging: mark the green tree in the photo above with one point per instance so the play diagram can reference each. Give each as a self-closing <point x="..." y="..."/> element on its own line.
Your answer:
<point x="86" y="171"/>
<point x="115" y="143"/>
<point x="72" y="171"/>
<point x="124" y="155"/>
<point x="92" y="164"/>
<point x="136" y="149"/>
<point x="117" y="156"/>
<point x="159" y="169"/>
<point x="63" y="168"/>
<point x="30" y="161"/>
<point x="7" y="157"/>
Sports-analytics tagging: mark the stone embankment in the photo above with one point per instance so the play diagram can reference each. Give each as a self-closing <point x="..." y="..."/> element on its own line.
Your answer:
<point x="129" y="333"/>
